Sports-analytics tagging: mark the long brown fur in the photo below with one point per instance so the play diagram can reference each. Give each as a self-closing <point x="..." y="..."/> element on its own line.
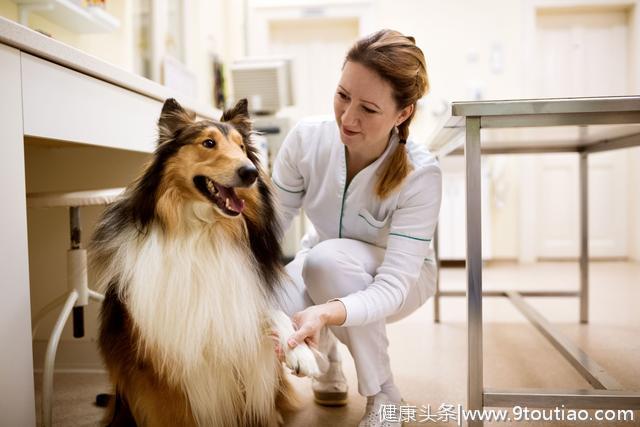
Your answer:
<point x="144" y="395"/>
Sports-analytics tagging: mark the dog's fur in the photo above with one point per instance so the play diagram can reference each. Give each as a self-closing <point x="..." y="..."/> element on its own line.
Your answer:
<point x="189" y="283"/>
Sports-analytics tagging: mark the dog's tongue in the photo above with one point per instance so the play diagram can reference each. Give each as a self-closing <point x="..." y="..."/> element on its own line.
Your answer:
<point x="234" y="202"/>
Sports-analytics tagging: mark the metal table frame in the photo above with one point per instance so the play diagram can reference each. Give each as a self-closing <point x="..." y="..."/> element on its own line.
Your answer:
<point x="467" y="119"/>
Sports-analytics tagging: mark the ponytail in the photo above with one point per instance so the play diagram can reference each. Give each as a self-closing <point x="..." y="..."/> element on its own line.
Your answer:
<point x="397" y="166"/>
<point x="397" y="59"/>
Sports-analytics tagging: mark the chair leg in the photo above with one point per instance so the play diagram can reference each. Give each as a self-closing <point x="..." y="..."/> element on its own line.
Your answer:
<point x="50" y="357"/>
<point x="44" y="311"/>
<point x="102" y="399"/>
<point x="97" y="296"/>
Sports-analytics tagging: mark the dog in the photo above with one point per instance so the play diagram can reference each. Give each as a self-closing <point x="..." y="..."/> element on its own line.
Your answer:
<point x="189" y="262"/>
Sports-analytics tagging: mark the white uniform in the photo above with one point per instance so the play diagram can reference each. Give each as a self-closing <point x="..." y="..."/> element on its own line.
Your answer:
<point x="374" y="255"/>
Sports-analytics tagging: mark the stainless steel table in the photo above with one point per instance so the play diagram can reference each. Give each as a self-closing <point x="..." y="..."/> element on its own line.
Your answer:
<point x="576" y="125"/>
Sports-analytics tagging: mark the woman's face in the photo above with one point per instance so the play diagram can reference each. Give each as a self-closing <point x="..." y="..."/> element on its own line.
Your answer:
<point x="365" y="109"/>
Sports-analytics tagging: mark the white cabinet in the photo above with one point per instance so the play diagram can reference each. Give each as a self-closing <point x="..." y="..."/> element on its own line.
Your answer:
<point x="17" y="407"/>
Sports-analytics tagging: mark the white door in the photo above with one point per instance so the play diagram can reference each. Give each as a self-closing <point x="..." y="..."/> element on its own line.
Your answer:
<point x="318" y="48"/>
<point x="582" y="53"/>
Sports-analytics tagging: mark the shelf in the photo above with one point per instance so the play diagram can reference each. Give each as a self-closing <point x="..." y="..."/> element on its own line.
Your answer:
<point x="70" y="15"/>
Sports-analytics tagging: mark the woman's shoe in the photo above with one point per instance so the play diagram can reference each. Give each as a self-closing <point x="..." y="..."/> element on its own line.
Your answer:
<point x="381" y="412"/>
<point x="330" y="388"/>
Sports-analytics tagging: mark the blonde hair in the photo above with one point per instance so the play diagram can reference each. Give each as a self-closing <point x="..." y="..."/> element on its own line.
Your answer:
<point x="396" y="59"/>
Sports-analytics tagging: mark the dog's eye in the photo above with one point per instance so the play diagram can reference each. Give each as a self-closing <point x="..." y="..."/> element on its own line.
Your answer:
<point x="242" y="146"/>
<point x="209" y="143"/>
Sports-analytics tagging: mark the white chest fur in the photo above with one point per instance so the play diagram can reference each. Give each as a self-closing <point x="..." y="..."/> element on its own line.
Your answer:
<point x="197" y="302"/>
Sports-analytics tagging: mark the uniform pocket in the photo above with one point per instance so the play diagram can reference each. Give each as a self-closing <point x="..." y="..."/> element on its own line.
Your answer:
<point x="375" y="223"/>
<point x="372" y="229"/>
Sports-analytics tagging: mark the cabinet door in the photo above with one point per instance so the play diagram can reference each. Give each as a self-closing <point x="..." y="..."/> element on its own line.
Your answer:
<point x="63" y="104"/>
<point x="558" y="201"/>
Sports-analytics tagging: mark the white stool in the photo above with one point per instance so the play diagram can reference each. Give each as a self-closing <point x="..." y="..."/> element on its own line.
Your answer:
<point x="78" y="294"/>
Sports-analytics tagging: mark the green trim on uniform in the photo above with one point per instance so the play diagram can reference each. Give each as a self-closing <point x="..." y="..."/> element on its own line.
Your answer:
<point x="284" y="189"/>
<point x="344" y="192"/>
<point x="342" y="209"/>
<point x="410" y="237"/>
<point x="367" y="221"/>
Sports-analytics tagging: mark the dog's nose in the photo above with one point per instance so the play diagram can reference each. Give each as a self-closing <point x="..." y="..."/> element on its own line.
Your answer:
<point x="248" y="174"/>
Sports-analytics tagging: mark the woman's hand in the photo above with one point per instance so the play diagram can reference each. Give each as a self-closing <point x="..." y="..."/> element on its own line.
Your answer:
<point x="311" y="320"/>
<point x="308" y="324"/>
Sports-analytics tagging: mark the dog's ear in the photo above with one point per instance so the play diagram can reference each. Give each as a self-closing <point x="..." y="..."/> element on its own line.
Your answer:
<point x="238" y="116"/>
<point x="172" y="118"/>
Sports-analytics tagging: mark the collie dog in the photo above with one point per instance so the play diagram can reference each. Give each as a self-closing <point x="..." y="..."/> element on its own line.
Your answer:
<point x="189" y="262"/>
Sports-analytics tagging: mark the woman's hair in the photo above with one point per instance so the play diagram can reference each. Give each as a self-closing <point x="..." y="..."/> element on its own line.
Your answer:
<point x="396" y="59"/>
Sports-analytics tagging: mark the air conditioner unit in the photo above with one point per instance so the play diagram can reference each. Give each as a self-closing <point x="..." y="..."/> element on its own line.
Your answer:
<point x="265" y="82"/>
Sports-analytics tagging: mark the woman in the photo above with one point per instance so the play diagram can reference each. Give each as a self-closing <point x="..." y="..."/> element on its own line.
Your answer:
<point x="373" y="197"/>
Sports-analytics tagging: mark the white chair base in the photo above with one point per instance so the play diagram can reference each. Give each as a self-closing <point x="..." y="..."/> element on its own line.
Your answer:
<point x="79" y="293"/>
<point x="52" y="348"/>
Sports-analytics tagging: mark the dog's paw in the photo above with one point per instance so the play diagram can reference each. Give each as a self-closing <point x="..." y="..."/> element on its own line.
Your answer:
<point x="301" y="361"/>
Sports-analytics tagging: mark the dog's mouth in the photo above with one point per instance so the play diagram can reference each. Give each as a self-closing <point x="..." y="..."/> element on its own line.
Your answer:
<point x="225" y="198"/>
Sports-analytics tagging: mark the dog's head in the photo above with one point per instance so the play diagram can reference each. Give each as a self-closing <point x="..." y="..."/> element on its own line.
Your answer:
<point x="211" y="163"/>
<point x="207" y="160"/>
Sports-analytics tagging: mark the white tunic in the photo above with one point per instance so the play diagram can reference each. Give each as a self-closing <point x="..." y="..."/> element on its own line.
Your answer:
<point x="310" y="172"/>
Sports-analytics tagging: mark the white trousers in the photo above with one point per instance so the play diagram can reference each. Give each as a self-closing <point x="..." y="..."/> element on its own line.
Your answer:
<point x="336" y="268"/>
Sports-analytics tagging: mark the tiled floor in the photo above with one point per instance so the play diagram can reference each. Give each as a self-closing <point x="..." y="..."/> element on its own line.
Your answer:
<point x="429" y="360"/>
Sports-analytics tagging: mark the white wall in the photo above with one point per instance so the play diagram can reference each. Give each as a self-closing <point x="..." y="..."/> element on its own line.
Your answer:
<point x="115" y="47"/>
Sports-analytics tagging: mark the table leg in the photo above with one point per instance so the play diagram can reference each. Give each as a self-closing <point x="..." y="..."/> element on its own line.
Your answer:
<point x="584" y="237"/>
<point x="474" y="266"/>
<point x="17" y="402"/>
